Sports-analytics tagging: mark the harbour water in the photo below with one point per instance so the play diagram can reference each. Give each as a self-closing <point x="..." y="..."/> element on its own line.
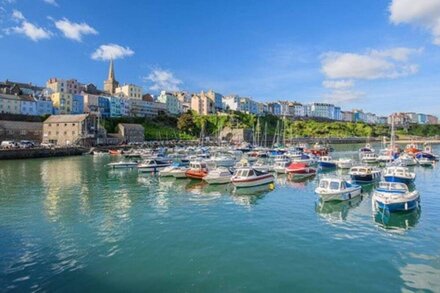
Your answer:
<point x="71" y="224"/>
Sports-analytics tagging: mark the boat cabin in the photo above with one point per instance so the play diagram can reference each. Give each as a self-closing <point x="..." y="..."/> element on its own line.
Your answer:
<point x="392" y="187"/>
<point x="333" y="184"/>
<point x="198" y="166"/>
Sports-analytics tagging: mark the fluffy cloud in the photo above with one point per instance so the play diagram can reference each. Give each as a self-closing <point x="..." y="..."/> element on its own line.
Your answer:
<point x="341" y="96"/>
<point x="422" y="13"/>
<point x="51" y="2"/>
<point x="74" y="31"/>
<point x="338" y="84"/>
<point x="111" y="51"/>
<point x="28" y="29"/>
<point x="374" y="64"/>
<point x="163" y="80"/>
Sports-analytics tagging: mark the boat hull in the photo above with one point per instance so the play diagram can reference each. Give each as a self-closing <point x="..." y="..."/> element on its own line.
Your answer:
<point x="198" y="175"/>
<point x="151" y="169"/>
<point x="365" y="178"/>
<point x="399" y="206"/>
<point x="399" y="179"/>
<point x="327" y="165"/>
<point x="217" y="180"/>
<point x="266" y="179"/>
<point x="341" y="196"/>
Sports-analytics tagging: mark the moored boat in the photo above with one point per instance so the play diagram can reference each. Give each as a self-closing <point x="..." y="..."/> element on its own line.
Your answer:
<point x="197" y="170"/>
<point x="395" y="197"/>
<point x="364" y="174"/>
<point x="344" y="163"/>
<point x="249" y="177"/>
<point x="153" y="165"/>
<point x="280" y="166"/>
<point x="123" y="165"/>
<point x="326" y="162"/>
<point x="369" y="158"/>
<point x="399" y="174"/>
<point x="219" y="175"/>
<point x="300" y="171"/>
<point x="337" y="189"/>
<point x="425" y="162"/>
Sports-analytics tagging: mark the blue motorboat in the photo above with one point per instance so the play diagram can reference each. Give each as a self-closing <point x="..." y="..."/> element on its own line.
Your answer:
<point x="395" y="197"/>
<point x="399" y="174"/>
<point x="327" y="162"/>
<point x="365" y="174"/>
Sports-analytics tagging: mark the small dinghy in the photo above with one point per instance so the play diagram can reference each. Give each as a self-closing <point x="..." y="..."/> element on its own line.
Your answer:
<point x="337" y="189"/>
<point x="249" y="177"/>
<point x="395" y="197"/>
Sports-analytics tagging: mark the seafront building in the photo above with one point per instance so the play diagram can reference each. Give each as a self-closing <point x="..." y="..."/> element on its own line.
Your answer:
<point x="172" y="103"/>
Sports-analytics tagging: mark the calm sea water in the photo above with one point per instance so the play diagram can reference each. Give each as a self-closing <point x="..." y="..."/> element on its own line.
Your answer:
<point x="71" y="224"/>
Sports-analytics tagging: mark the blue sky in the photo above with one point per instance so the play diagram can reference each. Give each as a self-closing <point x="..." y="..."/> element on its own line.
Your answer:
<point x="378" y="55"/>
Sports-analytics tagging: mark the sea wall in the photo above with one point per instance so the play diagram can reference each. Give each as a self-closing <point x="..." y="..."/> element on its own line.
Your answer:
<point x="40" y="153"/>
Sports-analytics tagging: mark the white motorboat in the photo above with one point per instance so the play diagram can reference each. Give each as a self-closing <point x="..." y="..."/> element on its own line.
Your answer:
<point x="219" y="175"/>
<point x="123" y="165"/>
<point x="365" y="174"/>
<point x="425" y="162"/>
<point x="179" y="173"/>
<point x="399" y="174"/>
<point x="262" y="166"/>
<point x="369" y="158"/>
<point x="406" y="160"/>
<point x="280" y="166"/>
<point x="249" y="177"/>
<point x="168" y="171"/>
<point x="337" y="189"/>
<point x="153" y="165"/>
<point x="395" y="197"/>
<point x="221" y="161"/>
<point x="344" y="163"/>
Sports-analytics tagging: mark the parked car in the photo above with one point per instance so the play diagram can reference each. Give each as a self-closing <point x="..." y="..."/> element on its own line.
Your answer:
<point x="8" y="144"/>
<point x="47" y="145"/>
<point x="26" y="144"/>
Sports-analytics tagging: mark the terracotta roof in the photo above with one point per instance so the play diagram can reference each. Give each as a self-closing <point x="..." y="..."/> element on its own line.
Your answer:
<point x="66" y="118"/>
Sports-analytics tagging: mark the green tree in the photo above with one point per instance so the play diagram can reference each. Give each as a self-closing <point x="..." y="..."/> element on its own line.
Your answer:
<point x="186" y="123"/>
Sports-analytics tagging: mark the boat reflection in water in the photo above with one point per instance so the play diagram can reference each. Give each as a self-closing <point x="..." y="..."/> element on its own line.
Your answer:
<point x="251" y="195"/>
<point x="337" y="210"/>
<point x="397" y="221"/>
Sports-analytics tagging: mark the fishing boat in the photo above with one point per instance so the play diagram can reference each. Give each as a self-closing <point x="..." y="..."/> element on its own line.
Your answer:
<point x="337" y="189"/>
<point x="153" y="165"/>
<point x="369" y="158"/>
<point x="364" y="174"/>
<point x="197" y="170"/>
<point x="318" y="150"/>
<point x="249" y="177"/>
<point x="344" y="163"/>
<point x="326" y="162"/>
<point x="280" y="166"/>
<point x="300" y="171"/>
<point x="395" y="197"/>
<point x="219" y="175"/>
<point x="412" y="149"/>
<point x="123" y="165"/>
<point x="399" y="174"/>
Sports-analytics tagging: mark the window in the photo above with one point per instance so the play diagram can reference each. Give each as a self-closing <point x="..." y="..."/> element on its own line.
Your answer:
<point x="73" y="132"/>
<point x="334" y="185"/>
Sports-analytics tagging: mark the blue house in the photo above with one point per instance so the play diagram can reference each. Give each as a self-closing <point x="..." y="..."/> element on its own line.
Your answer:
<point x="104" y="106"/>
<point x="44" y="107"/>
<point x="77" y="104"/>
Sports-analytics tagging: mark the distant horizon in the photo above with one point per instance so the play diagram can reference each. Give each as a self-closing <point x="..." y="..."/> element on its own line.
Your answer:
<point x="381" y="56"/>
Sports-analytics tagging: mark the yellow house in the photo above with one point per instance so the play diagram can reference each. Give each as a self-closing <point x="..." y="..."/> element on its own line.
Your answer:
<point x="9" y="104"/>
<point x="63" y="102"/>
<point x="129" y="91"/>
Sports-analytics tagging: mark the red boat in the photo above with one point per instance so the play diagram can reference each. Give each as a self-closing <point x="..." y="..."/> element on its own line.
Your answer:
<point x="318" y="150"/>
<point x="197" y="170"/>
<point x="300" y="171"/>
<point x="115" y="152"/>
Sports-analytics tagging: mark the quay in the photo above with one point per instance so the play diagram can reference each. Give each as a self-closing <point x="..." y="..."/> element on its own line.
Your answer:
<point x="15" y="154"/>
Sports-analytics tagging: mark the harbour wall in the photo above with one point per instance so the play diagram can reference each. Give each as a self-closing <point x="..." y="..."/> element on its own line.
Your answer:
<point x="15" y="154"/>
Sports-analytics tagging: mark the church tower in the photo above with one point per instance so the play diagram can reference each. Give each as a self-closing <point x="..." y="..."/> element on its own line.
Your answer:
<point x="111" y="84"/>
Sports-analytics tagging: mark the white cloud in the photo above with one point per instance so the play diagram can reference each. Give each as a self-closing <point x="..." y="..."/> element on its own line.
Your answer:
<point x="74" y="31"/>
<point x="111" y="51"/>
<point x="338" y="84"/>
<point x="17" y="15"/>
<point x="30" y="30"/>
<point x="163" y="80"/>
<point x="342" y="96"/>
<point x="421" y="13"/>
<point x="51" y="2"/>
<point x="374" y="64"/>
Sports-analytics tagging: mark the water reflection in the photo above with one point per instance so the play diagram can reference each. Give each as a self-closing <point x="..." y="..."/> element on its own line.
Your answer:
<point x="334" y="210"/>
<point x="398" y="222"/>
<point x="251" y="195"/>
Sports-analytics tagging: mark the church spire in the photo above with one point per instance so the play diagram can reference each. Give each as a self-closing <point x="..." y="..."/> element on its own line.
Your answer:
<point x="111" y="71"/>
<point x="111" y="83"/>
